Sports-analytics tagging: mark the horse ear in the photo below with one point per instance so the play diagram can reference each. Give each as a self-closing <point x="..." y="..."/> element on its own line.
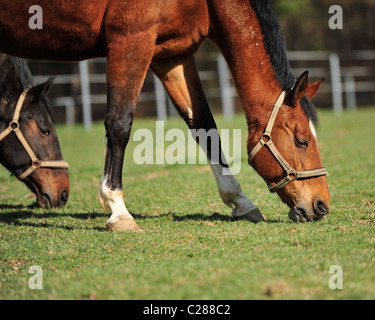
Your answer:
<point x="42" y="89"/>
<point x="313" y="88"/>
<point x="299" y="89"/>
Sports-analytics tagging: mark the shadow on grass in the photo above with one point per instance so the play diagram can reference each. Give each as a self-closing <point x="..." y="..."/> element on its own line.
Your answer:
<point x="215" y="216"/>
<point x="19" y="213"/>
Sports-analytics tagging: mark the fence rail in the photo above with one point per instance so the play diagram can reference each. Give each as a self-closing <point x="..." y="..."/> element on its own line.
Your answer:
<point x="356" y="75"/>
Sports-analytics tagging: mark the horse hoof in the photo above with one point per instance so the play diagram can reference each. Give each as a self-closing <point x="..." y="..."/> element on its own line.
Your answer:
<point x="125" y="225"/>
<point x="254" y="215"/>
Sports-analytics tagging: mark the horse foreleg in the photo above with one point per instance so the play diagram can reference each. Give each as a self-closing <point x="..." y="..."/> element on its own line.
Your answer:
<point x="182" y="82"/>
<point x="125" y="77"/>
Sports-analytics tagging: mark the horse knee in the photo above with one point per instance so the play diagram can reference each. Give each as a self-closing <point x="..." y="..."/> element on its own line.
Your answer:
<point x="118" y="127"/>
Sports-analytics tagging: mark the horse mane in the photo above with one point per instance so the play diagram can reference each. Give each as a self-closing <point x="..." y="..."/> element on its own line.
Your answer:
<point x="309" y="110"/>
<point x="20" y="70"/>
<point x="275" y="46"/>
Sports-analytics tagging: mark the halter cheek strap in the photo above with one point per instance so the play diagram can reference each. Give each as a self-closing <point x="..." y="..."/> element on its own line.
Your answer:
<point x="266" y="140"/>
<point x="35" y="162"/>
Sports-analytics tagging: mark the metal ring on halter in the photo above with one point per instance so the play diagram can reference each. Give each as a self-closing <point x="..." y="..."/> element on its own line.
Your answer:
<point x="14" y="125"/>
<point x="36" y="164"/>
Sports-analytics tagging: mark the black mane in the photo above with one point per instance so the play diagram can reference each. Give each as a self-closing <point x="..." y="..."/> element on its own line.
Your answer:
<point x="18" y="67"/>
<point x="309" y="110"/>
<point x="23" y="72"/>
<point x="275" y="46"/>
<point x="15" y="75"/>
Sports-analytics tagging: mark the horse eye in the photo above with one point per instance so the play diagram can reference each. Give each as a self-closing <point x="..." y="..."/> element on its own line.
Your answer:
<point x="46" y="132"/>
<point x="301" y="142"/>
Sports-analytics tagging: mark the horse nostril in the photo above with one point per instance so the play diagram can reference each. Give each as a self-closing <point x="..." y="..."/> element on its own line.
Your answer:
<point x="302" y="213"/>
<point x="298" y="214"/>
<point x="64" y="195"/>
<point x="63" y="198"/>
<point x="321" y="208"/>
<point x="45" y="201"/>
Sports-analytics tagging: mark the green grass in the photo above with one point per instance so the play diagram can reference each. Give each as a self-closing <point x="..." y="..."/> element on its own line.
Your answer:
<point x="191" y="248"/>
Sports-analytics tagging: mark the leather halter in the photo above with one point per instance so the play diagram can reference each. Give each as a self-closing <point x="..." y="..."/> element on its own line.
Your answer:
<point x="291" y="174"/>
<point x="35" y="162"/>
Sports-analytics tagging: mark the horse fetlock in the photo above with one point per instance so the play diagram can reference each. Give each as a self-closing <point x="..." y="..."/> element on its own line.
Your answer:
<point x="121" y="219"/>
<point x="245" y="209"/>
<point x="228" y="204"/>
<point x="230" y="196"/>
<point x="253" y="214"/>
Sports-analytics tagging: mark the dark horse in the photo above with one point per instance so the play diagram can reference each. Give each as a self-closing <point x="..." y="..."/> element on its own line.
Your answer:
<point x="29" y="147"/>
<point x="164" y="34"/>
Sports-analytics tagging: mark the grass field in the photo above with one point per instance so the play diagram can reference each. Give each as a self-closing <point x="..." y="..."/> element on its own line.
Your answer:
<point x="191" y="247"/>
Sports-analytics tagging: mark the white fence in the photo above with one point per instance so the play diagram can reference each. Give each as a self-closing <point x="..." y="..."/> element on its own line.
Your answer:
<point x="341" y="80"/>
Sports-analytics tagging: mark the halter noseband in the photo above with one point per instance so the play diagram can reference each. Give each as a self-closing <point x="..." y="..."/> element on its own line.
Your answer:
<point x="291" y="174"/>
<point x="35" y="162"/>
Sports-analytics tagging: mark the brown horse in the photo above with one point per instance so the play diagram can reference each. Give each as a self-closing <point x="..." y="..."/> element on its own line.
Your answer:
<point x="29" y="147"/>
<point x="164" y="34"/>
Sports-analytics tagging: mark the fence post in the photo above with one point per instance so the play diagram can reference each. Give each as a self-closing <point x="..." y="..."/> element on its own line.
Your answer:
<point x="334" y="65"/>
<point x="161" y="100"/>
<point x="69" y="111"/>
<point x="86" y="98"/>
<point x="351" y="101"/>
<point x="172" y="111"/>
<point x="225" y="88"/>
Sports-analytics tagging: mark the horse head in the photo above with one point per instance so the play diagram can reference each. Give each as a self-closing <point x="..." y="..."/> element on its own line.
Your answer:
<point x="286" y="153"/>
<point x="36" y="158"/>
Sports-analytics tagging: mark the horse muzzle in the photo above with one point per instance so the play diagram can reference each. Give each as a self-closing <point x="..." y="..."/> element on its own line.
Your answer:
<point x="302" y="213"/>
<point x="47" y="200"/>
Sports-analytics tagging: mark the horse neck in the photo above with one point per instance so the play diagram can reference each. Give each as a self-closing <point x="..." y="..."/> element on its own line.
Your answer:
<point x="237" y="32"/>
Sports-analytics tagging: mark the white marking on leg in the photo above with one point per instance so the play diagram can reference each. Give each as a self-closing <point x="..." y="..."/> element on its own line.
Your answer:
<point x="231" y="193"/>
<point x="114" y="200"/>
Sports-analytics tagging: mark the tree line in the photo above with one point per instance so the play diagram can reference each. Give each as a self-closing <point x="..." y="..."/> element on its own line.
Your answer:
<point x="305" y="24"/>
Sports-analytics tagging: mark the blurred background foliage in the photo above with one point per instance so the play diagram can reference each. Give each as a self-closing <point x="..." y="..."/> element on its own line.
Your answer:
<point x="305" y="24"/>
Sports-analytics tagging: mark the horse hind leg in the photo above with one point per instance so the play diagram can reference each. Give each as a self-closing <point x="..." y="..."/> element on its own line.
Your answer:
<point x="182" y="82"/>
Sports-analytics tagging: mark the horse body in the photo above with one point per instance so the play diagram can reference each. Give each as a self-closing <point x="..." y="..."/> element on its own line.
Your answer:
<point x="92" y="22"/>
<point x="163" y="35"/>
<point x="82" y="38"/>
